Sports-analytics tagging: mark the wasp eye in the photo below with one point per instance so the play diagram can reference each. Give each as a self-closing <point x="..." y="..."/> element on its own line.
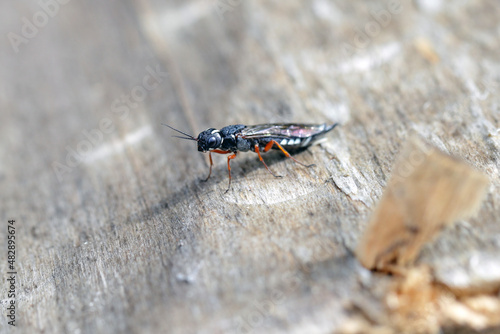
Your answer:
<point x="212" y="142"/>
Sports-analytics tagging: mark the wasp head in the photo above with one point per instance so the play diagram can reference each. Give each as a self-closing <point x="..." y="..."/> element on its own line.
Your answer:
<point x="209" y="139"/>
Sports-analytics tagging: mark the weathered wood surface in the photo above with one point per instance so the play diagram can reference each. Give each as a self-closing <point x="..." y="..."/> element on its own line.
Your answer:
<point x="130" y="240"/>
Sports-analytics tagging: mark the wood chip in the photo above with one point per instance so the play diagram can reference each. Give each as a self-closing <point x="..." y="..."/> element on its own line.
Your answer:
<point x="427" y="191"/>
<point x="426" y="49"/>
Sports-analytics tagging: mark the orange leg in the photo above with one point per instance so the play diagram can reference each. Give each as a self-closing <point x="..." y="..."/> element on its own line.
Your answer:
<point x="211" y="164"/>
<point x="273" y="142"/>
<point x="260" y="157"/>
<point x="232" y="156"/>
<point x="211" y="161"/>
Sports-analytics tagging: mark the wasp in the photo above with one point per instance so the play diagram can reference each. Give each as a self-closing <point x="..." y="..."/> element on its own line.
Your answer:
<point x="232" y="139"/>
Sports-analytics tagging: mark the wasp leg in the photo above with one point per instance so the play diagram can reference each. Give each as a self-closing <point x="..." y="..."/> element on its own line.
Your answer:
<point x="265" y="165"/>
<point x="273" y="142"/>
<point x="211" y="161"/>
<point x="211" y="164"/>
<point x="232" y="156"/>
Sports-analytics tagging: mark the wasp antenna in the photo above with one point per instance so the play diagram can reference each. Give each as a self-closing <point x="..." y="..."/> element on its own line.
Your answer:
<point x="189" y="138"/>
<point x="185" y="134"/>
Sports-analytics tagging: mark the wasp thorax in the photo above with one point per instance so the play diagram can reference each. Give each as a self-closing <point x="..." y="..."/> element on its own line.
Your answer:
<point x="209" y="139"/>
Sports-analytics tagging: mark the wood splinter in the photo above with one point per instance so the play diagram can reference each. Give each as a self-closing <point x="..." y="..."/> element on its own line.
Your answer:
<point x="427" y="191"/>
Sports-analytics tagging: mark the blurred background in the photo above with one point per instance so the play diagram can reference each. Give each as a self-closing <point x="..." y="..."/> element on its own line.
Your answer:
<point x="116" y="231"/>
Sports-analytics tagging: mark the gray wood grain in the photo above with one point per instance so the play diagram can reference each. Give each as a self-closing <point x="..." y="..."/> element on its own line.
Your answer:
<point x="130" y="239"/>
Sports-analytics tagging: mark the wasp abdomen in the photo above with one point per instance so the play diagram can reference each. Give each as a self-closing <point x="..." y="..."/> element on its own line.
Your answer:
<point x="295" y="141"/>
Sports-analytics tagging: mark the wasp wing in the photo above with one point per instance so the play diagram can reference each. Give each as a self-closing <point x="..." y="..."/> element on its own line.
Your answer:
<point x="285" y="130"/>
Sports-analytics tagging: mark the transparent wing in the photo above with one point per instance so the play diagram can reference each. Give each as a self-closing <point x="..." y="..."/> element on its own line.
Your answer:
<point x="284" y="130"/>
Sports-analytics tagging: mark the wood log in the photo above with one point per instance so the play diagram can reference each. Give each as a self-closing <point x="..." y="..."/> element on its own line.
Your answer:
<point x="115" y="230"/>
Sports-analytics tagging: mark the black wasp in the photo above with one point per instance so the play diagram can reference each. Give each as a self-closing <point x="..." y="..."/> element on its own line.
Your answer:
<point x="262" y="137"/>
